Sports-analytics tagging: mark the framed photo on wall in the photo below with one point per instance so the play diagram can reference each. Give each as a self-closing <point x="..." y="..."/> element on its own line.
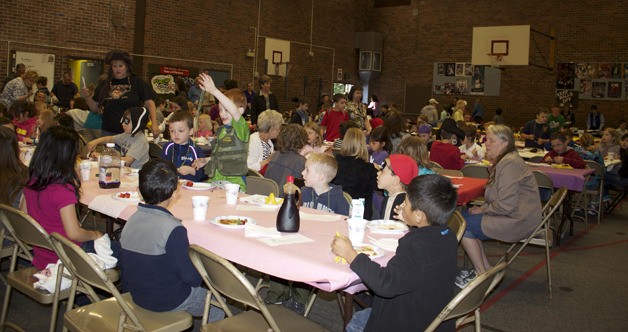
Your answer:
<point x="377" y="61"/>
<point x="365" y="60"/>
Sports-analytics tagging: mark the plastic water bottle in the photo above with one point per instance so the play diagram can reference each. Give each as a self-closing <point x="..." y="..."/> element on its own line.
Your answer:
<point x="288" y="219"/>
<point x="109" y="168"/>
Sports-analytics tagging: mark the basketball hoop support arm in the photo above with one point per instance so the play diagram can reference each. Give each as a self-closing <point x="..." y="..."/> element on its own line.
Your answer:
<point x="552" y="36"/>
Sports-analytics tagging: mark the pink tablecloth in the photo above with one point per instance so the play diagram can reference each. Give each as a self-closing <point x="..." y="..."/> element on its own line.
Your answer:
<point x="572" y="179"/>
<point x="312" y="262"/>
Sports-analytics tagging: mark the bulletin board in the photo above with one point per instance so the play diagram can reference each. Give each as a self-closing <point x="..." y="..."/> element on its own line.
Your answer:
<point x="42" y="63"/>
<point x="591" y="81"/>
<point x="463" y="78"/>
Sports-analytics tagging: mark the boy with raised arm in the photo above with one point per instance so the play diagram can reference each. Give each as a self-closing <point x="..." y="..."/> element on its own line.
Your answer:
<point x="229" y="149"/>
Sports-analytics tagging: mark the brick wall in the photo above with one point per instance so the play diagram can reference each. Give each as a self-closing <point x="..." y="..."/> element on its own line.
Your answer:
<point x="207" y="34"/>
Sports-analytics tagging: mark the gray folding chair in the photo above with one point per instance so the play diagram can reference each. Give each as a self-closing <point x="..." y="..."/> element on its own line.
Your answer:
<point x="475" y="171"/>
<point x="223" y="279"/>
<point x="470" y="299"/>
<point x="118" y="313"/>
<point x="448" y="172"/>
<point x="542" y="229"/>
<point x="25" y="231"/>
<point x="261" y="186"/>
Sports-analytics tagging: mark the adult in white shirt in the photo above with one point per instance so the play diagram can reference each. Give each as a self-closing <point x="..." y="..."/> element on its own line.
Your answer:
<point x="260" y="145"/>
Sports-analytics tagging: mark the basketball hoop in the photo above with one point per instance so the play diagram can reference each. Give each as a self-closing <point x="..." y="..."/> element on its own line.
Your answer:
<point x="287" y="66"/>
<point x="496" y="60"/>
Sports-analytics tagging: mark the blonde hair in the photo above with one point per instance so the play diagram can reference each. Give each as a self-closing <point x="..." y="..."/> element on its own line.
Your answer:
<point x="31" y="75"/>
<point x="587" y="142"/>
<point x="315" y="127"/>
<point x="613" y="133"/>
<point x="269" y="119"/>
<point x="208" y="121"/>
<point x="323" y="163"/>
<point x="354" y="145"/>
<point x="47" y="118"/>
<point x="416" y="149"/>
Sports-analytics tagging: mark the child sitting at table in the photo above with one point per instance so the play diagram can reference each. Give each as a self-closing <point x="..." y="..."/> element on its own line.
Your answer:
<point x="379" y="145"/>
<point x="204" y="126"/>
<point x="396" y="173"/>
<point x="53" y="191"/>
<point x="133" y="142"/>
<point x="286" y="160"/>
<point x="229" y="149"/>
<point x="416" y="283"/>
<point x="45" y="120"/>
<point x="154" y="263"/>
<point x="343" y="131"/>
<point x="25" y="120"/>
<point x="535" y="132"/>
<point x="469" y="148"/>
<point x="424" y="132"/>
<point x="562" y="154"/>
<point x="318" y="193"/>
<point x="314" y="139"/>
<point x="13" y="173"/>
<point x="182" y="151"/>
<point x="445" y="151"/>
<point x="609" y="143"/>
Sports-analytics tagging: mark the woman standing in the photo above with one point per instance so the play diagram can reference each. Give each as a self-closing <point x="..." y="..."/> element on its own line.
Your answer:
<point x="19" y="89"/>
<point x="513" y="205"/>
<point x="120" y="91"/>
<point x="357" y="110"/>
<point x="264" y="100"/>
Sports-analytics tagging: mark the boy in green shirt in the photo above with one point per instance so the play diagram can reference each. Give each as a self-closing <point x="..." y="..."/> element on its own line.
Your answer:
<point x="231" y="165"/>
<point x="555" y="120"/>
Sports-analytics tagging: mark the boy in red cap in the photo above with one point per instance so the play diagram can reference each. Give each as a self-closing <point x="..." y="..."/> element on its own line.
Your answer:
<point x="396" y="173"/>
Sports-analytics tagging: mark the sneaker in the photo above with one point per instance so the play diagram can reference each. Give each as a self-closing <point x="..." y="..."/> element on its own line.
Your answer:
<point x="592" y="212"/>
<point x="466" y="273"/>
<point x="295" y="306"/>
<point x="462" y="282"/>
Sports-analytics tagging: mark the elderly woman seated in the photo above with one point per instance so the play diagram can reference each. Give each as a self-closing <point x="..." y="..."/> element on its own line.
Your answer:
<point x="513" y="206"/>
<point x="260" y="145"/>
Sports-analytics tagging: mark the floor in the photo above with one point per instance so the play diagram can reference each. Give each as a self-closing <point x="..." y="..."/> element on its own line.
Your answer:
<point x="588" y="275"/>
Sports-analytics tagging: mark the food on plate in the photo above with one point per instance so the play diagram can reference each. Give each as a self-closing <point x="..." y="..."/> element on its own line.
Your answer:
<point x="367" y="250"/>
<point x="124" y="195"/>
<point x="271" y="199"/>
<point x="233" y="221"/>
<point x="189" y="184"/>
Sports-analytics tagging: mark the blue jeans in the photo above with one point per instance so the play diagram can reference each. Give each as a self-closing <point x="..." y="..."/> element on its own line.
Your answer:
<point x="195" y="304"/>
<point x="358" y="321"/>
<point x="474" y="226"/>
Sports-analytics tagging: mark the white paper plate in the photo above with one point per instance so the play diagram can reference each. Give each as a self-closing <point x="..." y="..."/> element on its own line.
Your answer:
<point x="387" y="243"/>
<point x="261" y="201"/>
<point x="198" y="185"/>
<point x="216" y="221"/>
<point x="387" y="227"/>
<point x="134" y="198"/>
<point x="369" y="249"/>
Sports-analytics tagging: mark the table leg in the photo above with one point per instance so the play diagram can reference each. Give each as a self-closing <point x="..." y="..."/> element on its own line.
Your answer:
<point x="345" y="304"/>
<point x="566" y="214"/>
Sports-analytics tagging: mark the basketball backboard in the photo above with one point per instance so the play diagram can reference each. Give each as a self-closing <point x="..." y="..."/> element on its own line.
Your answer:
<point x="501" y="45"/>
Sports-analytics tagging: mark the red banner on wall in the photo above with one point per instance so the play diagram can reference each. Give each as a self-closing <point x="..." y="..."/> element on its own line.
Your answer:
<point x="174" y="71"/>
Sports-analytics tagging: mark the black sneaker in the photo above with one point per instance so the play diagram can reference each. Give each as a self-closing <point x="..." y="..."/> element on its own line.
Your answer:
<point x="462" y="282"/>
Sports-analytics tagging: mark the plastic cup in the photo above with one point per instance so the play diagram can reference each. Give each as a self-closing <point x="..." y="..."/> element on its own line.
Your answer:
<point x="86" y="169"/>
<point x="231" y="193"/>
<point x="199" y="206"/>
<point x="356" y="229"/>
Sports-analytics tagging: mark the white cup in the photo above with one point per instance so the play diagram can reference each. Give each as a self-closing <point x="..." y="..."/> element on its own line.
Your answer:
<point x="611" y="155"/>
<point x="231" y="193"/>
<point x="356" y="229"/>
<point x="122" y="164"/>
<point x="199" y="206"/>
<point x="86" y="169"/>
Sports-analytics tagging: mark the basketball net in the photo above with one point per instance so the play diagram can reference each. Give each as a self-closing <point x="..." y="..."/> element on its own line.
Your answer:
<point x="287" y="67"/>
<point x="496" y="60"/>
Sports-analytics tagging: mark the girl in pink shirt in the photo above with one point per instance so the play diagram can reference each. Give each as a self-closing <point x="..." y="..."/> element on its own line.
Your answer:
<point x="53" y="190"/>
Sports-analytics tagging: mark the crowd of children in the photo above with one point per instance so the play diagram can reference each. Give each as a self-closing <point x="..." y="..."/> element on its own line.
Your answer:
<point x="337" y="151"/>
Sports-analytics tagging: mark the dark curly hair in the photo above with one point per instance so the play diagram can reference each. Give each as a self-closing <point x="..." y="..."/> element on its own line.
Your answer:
<point x="292" y="138"/>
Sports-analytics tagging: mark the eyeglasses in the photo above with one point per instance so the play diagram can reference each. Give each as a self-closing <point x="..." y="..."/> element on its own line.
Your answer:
<point x="126" y="121"/>
<point x="384" y="165"/>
